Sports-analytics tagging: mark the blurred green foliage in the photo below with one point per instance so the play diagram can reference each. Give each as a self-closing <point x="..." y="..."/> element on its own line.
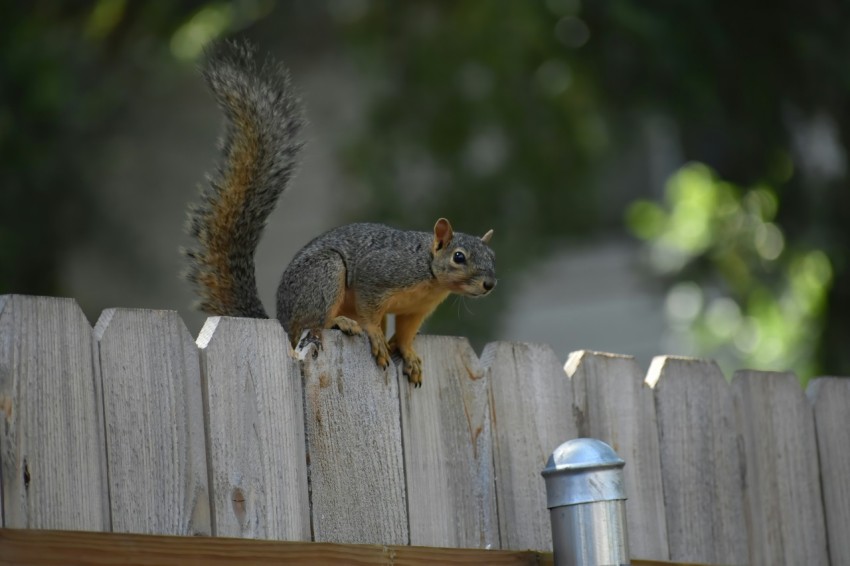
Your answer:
<point x="483" y="113"/>
<point x="762" y="304"/>
<point x="514" y="113"/>
<point x="64" y="70"/>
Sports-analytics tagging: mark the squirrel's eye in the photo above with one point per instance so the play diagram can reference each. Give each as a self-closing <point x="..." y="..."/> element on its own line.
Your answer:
<point x="459" y="257"/>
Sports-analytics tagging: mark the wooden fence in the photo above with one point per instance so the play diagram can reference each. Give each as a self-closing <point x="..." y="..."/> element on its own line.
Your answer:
<point x="134" y="427"/>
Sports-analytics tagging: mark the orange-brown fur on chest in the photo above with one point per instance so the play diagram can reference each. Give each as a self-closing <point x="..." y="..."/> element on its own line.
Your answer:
<point x="421" y="298"/>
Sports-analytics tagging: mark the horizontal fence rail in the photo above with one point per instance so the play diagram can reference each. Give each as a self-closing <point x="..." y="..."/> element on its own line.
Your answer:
<point x="53" y="548"/>
<point x="134" y="427"/>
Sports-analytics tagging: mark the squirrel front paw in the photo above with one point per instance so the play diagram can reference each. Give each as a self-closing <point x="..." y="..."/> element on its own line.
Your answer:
<point x="411" y="362"/>
<point x="380" y="348"/>
<point x="346" y="325"/>
<point x="412" y="367"/>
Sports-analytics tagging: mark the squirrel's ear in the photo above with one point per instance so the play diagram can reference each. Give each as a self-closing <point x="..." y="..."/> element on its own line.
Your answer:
<point x="442" y="234"/>
<point x="488" y="236"/>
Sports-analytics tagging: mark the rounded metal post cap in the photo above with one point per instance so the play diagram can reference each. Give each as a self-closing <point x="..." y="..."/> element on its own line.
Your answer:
<point x="583" y="453"/>
<point x="583" y="470"/>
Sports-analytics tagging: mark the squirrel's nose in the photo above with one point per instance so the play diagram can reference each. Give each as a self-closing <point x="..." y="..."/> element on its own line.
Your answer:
<point x="488" y="284"/>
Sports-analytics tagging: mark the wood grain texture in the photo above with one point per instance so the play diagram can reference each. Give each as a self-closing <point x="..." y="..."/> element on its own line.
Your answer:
<point x="52" y="451"/>
<point x="614" y="405"/>
<point x="782" y="480"/>
<point x="531" y="400"/>
<point x="154" y="423"/>
<point x="53" y="548"/>
<point x="255" y="423"/>
<point x="831" y="399"/>
<point x="701" y="466"/>
<point x="353" y="428"/>
<point x="448" y="448"/>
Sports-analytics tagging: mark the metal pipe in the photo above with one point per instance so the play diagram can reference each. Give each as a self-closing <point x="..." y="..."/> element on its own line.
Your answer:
<point x="586" y="500"/>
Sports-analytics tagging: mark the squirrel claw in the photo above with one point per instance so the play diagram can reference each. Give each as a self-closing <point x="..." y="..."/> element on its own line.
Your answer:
<point x="312" y="337"/>
<point x="382" y="356"/>
<point x="412" y="363"/>
<point x="414" y="378"/>
<point x="412" y="368"/>
<point x="346" y="325"/>
<point x="380" y="348"/>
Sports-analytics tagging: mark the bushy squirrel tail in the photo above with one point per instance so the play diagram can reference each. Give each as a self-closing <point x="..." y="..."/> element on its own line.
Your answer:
<point x="260" y="146"/>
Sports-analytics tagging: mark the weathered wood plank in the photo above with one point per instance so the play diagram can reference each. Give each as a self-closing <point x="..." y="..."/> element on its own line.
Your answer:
<point x="52" y="548"/>
<point x="831" y="398"/>
<point x="701" y="466"/>
<point x="448" y="448"/>
<point x="52" y="451"/>
<point x="614" y="405"/>
<point x="154" y="423"/>
<point x="46" y="548"/>
<point x="532" y="404"/>
<point x="782" y="480"/>
<point x="255" y="427"/>
<point x="354" y="449"/>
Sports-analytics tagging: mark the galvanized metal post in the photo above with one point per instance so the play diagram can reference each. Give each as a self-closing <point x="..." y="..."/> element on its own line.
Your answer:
<point x="586" y="501"/>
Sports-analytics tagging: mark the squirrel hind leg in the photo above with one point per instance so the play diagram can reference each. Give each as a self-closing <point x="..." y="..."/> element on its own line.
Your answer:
<point x="310" y="294"/>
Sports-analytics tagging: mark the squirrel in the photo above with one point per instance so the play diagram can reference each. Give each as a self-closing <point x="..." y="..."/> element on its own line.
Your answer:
<point x="348" y="278"/>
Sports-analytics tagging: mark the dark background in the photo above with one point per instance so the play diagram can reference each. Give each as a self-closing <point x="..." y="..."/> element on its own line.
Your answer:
<point x="688" y="157"/>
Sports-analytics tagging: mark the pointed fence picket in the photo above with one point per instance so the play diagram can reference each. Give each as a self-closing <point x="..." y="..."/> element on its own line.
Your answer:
<point x="134" y="427"/>
<point x="255" y="430"/>
<point x="614" y="405"/>
<point x="700" y="462"/>
<point x="831" y="399"/>
<point x="154" y="422"/>
<point x="446" y="430"/>
<point x="52" y="449"/>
